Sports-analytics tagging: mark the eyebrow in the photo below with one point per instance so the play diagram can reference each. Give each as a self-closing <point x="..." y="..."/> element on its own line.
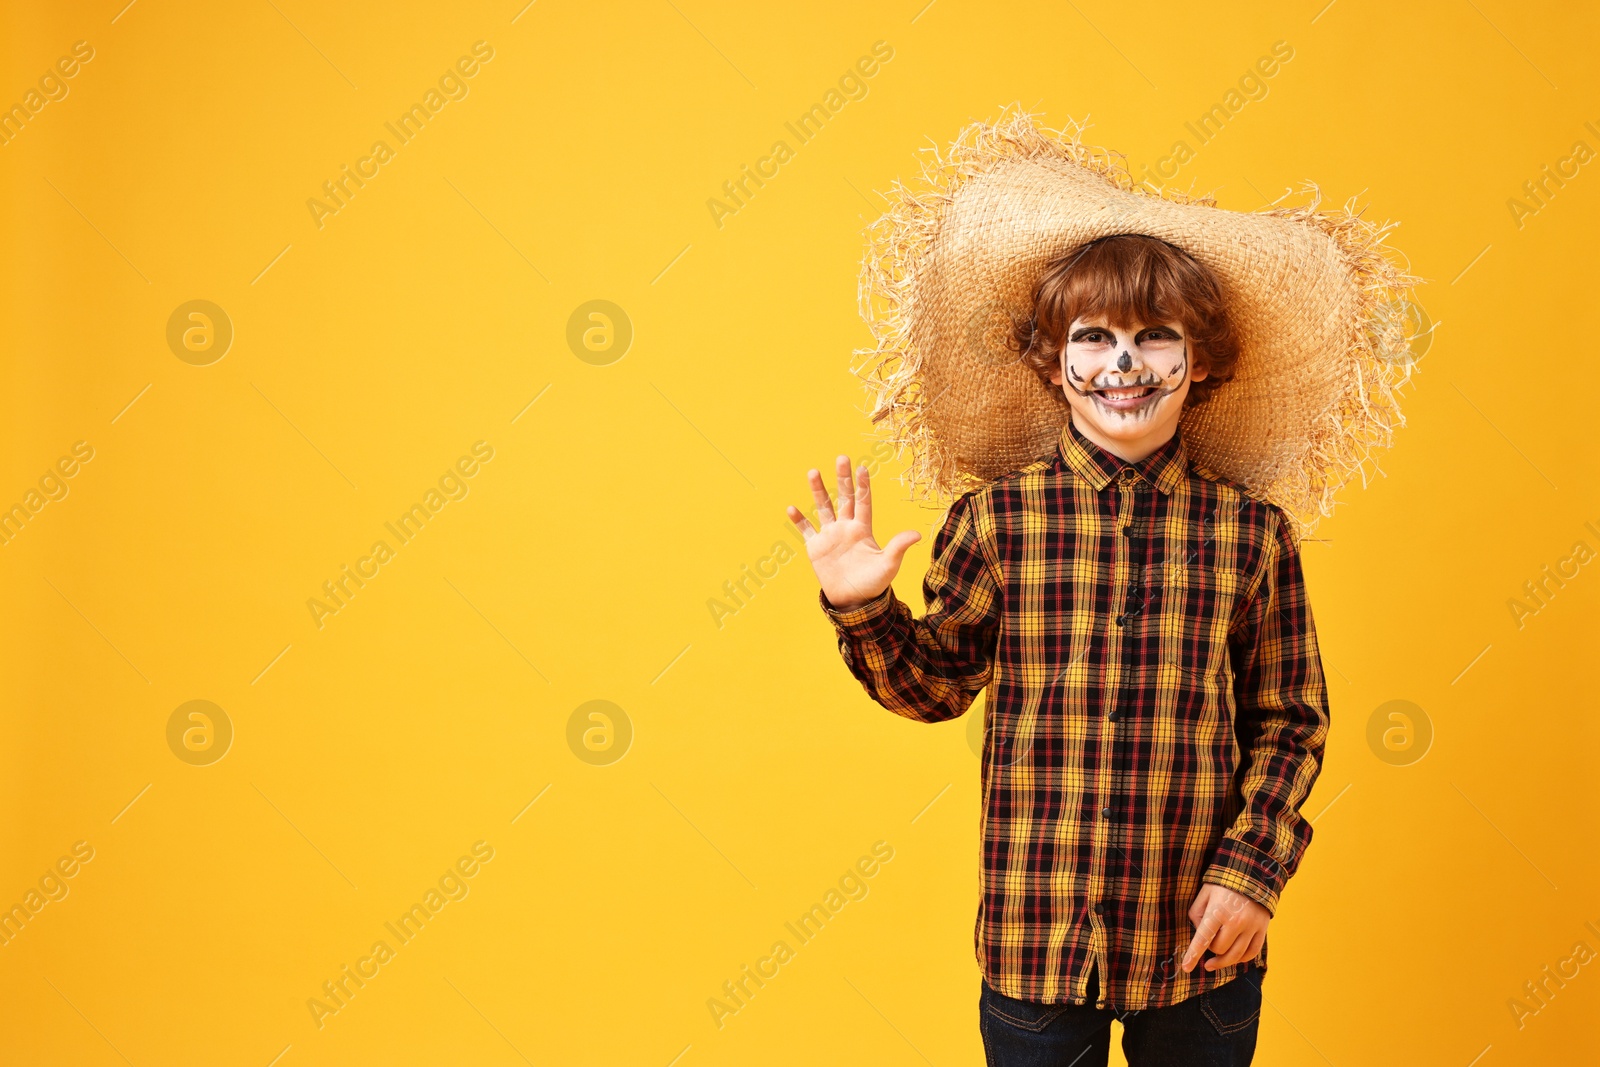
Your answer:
<point x="1080" y="331"/>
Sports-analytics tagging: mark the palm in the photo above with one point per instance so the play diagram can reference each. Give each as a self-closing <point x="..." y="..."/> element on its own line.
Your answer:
<point x="850" y="565"/>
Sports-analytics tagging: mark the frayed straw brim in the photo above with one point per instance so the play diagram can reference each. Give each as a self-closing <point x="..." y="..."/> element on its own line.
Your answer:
<point x="1319" y="304"/>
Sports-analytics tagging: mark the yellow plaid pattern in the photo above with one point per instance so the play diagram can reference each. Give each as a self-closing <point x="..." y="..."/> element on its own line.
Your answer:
<point x="1156" y="709"/>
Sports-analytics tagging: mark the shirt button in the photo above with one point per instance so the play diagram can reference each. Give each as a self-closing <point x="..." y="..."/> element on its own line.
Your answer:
<point x="1127" y="531"/>
<point x="1100" y="907"/>
<point x="1119" y="620"/>
<point x="1105" y="812"/>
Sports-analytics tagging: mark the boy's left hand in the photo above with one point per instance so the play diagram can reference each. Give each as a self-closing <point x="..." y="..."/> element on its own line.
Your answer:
<point x="1229" y="924"/>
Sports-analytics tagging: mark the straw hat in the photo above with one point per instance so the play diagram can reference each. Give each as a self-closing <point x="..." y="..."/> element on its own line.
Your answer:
<point x="1319" y="304"/>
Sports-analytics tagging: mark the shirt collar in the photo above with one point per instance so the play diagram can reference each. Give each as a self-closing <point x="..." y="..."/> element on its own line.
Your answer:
<point x="1164" y="468"/>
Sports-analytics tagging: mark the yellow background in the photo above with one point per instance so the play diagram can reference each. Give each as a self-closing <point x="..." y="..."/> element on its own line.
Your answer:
<point x="429" y="712"/>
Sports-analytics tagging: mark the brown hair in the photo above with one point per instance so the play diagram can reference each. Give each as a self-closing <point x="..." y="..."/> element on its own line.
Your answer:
<point x="1132" y="279"/>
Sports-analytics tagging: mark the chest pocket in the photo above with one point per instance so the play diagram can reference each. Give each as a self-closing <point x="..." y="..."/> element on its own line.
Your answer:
<point x="1190" y="608"/>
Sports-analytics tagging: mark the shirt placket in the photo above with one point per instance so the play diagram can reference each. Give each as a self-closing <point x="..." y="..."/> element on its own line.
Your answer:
<point x="1118" y="624"/>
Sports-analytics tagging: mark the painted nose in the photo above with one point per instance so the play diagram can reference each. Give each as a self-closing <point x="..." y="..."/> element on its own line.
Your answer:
<point x="1124" y="363"/>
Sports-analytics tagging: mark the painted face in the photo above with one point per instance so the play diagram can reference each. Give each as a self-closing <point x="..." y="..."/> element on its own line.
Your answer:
<point x="1126" y="387"/>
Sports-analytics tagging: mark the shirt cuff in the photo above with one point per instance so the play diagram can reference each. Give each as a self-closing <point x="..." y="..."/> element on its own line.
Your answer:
<point x="1246" y="869"/>
<point x="860" y="619"/>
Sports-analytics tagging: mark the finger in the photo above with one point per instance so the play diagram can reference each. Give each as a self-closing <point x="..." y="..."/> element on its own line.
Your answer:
<point x="1228" y="932"/>
<point x="1257" y="939"/>
<point x="1197" y="910"/>
<point x="1202" y="940"/>
<point x="1233" y="954"/>
<point x="1228" y="944"/>
<point x="863" y="510"/>
<point x="1197" y="946"/>
<point x="798" y="517"/>
<point x="847" y="492"/>
<point x="820" y="495"/>
<point x="896" y="548"/>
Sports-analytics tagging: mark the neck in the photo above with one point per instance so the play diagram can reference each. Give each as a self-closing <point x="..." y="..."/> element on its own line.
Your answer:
<point x="1132" y="451"/>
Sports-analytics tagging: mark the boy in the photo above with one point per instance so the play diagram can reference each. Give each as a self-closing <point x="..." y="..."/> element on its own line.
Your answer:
<point x="1157" y="709"/>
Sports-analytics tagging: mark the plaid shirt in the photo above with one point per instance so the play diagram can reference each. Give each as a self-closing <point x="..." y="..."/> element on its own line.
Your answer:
<point x="1156" y="709"/>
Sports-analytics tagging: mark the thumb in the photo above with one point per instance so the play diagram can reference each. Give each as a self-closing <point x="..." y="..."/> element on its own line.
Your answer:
<point x="896" y="548"/>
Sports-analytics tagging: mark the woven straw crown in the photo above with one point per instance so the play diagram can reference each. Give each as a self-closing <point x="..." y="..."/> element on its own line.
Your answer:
<point x="1319" y="305"/>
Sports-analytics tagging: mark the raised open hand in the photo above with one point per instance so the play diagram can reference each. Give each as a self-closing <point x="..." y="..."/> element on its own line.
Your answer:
<point x="849" y="564"/>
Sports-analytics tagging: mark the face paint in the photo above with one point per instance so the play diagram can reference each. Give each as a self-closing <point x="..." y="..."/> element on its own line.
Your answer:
<point x="1123" y="386"/>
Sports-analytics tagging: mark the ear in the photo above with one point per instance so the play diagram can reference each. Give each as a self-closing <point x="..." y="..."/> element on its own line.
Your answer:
<point x="1198" y="371"/>
<point x="1055" y="372"/>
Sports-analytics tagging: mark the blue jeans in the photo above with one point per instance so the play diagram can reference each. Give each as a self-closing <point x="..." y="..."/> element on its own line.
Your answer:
<point x="1216" y="1028"/>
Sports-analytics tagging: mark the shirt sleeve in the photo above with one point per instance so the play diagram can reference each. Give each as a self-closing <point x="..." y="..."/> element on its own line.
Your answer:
<point x="929" y="669"/>
<point x="1281" y="704"/>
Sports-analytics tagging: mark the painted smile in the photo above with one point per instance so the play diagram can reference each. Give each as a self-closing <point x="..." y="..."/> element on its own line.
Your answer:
<point x="1126" y="398"/>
